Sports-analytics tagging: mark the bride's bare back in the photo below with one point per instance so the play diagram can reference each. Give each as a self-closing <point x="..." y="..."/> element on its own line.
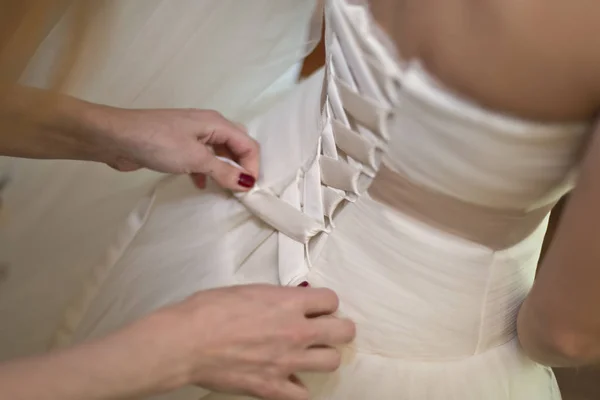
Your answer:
<point x="529" y="58"/>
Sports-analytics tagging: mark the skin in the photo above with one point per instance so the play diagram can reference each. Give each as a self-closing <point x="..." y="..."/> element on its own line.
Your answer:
<point x="536" y="60"/>
<point x="259" y="336"/>
<point x="38" y="124"/>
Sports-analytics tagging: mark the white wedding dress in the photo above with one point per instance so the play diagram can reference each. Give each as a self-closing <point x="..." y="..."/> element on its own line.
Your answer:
<point x="422" y="210"/>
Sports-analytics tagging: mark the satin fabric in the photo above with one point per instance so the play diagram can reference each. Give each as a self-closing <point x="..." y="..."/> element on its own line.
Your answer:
<point x="435" y="311"/>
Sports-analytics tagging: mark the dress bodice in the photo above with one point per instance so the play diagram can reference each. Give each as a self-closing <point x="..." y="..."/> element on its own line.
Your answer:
<point x="451" y="253"/>
<point x="484" y="176"/>
<point x="387" y="126"/>
<point x="471" y="189"/>
<point x="462" y="150"/>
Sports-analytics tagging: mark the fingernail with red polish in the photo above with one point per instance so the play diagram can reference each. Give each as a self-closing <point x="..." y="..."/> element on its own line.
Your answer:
<point x="199" y="180"/>
<point x="246" y="181"/>
<point x="304" y="284"/>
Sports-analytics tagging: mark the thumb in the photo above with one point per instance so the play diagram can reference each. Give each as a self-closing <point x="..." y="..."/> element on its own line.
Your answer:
<point x="229" y="175"/>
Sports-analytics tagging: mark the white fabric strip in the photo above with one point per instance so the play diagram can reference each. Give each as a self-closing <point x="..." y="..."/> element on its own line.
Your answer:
<point x="280" y="215"/>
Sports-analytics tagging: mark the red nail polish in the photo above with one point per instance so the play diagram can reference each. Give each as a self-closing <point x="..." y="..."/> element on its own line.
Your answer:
<point x="246" y="181"/>
<point x="199" y="180"/>
<point x="304" y="284"/>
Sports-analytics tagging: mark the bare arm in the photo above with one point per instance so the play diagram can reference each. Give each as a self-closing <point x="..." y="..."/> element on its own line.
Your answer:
<point x="38" y="124"/>
<point x="241" y="340"/>
<point x="559" y="323"/>
<point x="100" y="370"/>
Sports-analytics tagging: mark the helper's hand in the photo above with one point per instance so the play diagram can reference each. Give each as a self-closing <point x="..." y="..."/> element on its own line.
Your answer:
<point x="249" y="340"/>
<point x="182" y="141"/>
<point x="40" y="124"/>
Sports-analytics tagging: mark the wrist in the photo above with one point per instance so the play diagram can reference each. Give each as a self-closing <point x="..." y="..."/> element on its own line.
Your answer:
<point x="125" y="365"/>
<point x="79" y="130"/>
<point x="45" y="125"/>
<point x="148" y="355"/>
<point x="110" y="130"/>
<point x="96" y="124"/>
<point x="94" y="371"/>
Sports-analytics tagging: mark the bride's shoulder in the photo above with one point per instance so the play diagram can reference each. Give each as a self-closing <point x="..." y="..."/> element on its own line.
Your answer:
<point x="537" y="59"/>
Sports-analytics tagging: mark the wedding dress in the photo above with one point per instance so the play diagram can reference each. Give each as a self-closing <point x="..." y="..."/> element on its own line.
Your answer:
<point x="58" y="217"/>
<point x="422" y="210"/>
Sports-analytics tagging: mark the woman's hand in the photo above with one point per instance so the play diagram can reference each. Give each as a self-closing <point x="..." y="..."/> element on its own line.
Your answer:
<point x="39" y="124"/>
<point x="248" y="340"/>
<point x="181" y="142"/>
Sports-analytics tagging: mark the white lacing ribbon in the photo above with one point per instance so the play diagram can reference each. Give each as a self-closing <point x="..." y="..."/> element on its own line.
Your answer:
<point x="349" y="152"/>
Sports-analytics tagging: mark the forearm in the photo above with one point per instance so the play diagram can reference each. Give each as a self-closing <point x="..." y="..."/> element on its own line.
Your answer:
<point x="38" y="124"/>
<point x="101" y="370"/>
